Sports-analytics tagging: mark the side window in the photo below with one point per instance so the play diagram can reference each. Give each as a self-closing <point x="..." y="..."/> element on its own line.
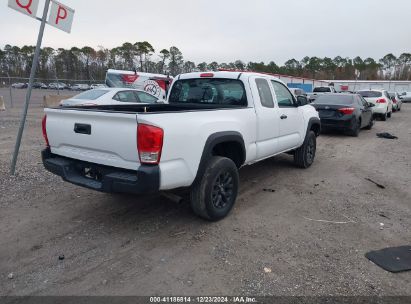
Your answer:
<point x="358" y="100"/>
<point x="364" y="102"/>
<point x="284" y="97"/>
<point x="145" y="98"/>
<point x="126" y="96"/>
<point x="265" y="93"/>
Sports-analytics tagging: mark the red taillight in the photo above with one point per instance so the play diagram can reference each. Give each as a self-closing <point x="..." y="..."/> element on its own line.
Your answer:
<point x="149" y="143"/>
<point x="381" y="100"/>
<point x="394" y="100"/>
<point x="207" y="75"/>
<point x="346" y="111"/>
<point x="44" y="128"/>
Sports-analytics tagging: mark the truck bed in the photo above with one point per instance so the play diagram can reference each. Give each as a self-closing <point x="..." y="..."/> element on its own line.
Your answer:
<point x="153" y="108"/>
<point x="107" y="135"/>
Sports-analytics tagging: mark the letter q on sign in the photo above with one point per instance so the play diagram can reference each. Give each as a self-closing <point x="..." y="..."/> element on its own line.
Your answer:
<point x="61" y="16"/>
<point x="27" y="7"/>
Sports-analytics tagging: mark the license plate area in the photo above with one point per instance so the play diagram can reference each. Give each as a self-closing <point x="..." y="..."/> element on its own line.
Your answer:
<point x="89" y="171"/>
<point x="326" y="113"/>
<point x="92" y="173"/>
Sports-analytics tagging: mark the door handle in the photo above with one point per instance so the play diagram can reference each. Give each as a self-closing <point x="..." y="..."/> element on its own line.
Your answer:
<point x="283" y="116"/>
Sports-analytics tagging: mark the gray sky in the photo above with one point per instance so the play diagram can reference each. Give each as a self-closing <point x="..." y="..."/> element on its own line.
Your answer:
<point x="226" y="30"/>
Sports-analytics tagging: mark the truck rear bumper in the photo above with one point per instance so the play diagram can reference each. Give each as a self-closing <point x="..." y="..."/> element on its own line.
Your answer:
<point x="146" y="179"/>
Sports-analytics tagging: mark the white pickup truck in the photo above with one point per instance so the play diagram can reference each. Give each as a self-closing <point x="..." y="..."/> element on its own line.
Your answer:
<point x="213" y="124"/>
<point x="321" y="91"/>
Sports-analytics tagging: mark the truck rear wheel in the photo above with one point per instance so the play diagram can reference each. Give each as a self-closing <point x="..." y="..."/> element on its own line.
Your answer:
<point x="304" y="155"/>
<point x="214" y="194"/>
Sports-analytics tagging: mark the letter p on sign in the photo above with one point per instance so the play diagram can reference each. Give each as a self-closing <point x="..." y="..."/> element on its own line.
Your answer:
<point x="61" y="16"/>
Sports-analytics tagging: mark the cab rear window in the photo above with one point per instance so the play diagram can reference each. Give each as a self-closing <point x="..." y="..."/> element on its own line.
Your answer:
<point x="228" y="92"/>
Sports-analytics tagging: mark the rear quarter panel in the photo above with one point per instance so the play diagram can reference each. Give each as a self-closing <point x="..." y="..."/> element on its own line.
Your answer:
<point x="185" y="135"/>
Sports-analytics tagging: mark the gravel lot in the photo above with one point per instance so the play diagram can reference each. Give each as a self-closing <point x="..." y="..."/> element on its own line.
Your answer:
<point x="128" y="245"/>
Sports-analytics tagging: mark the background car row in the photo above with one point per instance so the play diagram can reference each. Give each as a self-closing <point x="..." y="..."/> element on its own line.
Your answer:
<point x="58" y="86"/>
<point x="350" y="112"/>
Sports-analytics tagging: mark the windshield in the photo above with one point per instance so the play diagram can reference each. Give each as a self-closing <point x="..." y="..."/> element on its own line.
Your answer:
<point x="335" y="99"/>
<point x="370" y="94"/>
<point x="322" y="90"/>
<point x="209" y="91"/>
<point x="91" y="95"/>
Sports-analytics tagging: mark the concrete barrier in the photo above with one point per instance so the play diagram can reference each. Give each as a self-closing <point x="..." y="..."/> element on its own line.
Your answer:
<point x="2" y="104"/>
<point x="52" y="101"/>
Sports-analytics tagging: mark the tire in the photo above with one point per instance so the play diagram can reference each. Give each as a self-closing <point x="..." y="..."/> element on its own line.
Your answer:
<point x="304" y="156"/>
<point x="356" y="129"/>
<point x="214" y="194"/>
<point x="384" y="117"/>
<point x="389" y="114"/>
<point x="370" y="125"/>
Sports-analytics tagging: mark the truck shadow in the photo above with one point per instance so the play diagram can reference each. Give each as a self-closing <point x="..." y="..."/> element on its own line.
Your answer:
<point x="153" y="226"/>
<point x="133" y="211"/>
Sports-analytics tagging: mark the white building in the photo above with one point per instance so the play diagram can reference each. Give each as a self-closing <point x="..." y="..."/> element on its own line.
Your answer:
<point x="357" y="85"/>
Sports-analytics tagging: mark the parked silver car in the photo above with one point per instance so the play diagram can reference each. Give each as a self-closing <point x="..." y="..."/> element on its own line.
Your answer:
<point x="405" y="97"/>
<point x="396" y="101"/>
<point x="80" y="87"/>
<point x="57" y="86"/>
<point x="19" y="85"/>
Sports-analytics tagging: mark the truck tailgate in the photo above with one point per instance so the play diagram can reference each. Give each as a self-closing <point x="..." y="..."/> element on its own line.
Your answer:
<point x="104" y="138"/>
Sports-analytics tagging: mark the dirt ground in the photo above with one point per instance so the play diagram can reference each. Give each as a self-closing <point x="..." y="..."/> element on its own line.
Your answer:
<point x="128" y="245"/>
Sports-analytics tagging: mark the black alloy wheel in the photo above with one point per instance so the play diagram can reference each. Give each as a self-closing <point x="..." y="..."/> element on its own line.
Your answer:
<point x="222" y="194"/>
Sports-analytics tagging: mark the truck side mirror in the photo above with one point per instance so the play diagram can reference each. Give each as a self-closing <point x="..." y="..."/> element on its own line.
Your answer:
<point x="302" y="100"/>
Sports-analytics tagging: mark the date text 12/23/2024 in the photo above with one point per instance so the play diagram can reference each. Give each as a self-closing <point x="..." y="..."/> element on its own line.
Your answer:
<point x="201" y="299"/>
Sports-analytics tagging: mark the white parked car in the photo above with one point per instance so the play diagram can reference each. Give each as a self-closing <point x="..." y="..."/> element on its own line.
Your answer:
<point x="406" y="97"/>
<point x="213" y="124"/>
<point x="19" y="85"/>
<point x="98" y="86"/>
<point x="109" y="96"/>
<point x="397" y="101"/>
<point x="317" y="91"/>
<point x="57" y="86"/>
<point x="80" y="87"/>
<point x="383" y="105"/>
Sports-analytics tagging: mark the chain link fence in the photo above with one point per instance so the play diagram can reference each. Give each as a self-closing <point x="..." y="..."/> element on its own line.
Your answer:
<point x="12" y="88"/>
<point x="5" y="81"/>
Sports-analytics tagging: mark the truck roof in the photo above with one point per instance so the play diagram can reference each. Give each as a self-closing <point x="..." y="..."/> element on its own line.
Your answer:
<point x="125" y="72"/>
<point x="226" y="74"/>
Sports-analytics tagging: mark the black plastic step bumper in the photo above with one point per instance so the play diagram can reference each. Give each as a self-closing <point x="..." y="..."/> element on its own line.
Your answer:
<point x="146" y="179"/>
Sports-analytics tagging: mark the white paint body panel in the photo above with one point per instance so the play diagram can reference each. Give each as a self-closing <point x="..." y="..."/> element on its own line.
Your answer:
<point x="113" y="141"/>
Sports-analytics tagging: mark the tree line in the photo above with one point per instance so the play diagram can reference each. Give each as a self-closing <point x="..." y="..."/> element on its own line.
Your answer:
<point x="91" y="64"/>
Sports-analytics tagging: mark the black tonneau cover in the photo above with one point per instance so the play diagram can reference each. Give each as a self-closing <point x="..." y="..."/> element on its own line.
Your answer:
<point x="154" y="108"/>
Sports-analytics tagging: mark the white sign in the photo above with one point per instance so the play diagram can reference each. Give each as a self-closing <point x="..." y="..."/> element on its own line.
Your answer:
<point x="27" y="7"/>
<point x="61" y="16"/>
